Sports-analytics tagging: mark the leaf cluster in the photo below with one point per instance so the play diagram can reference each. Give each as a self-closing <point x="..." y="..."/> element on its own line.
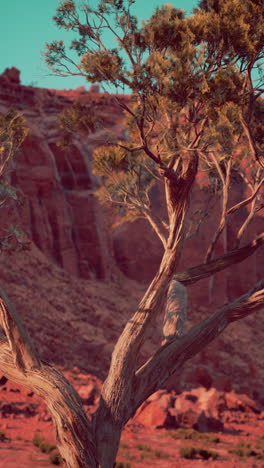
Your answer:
<point x="127" y="180"/>
<point x="13" y="132"/>
<point x="74" y="120"/>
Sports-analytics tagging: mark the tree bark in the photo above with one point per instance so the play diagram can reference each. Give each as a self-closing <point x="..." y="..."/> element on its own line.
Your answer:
<point x="118" y="391"/>
<point x="73" y="430"/>
<point x="20" y="362"/>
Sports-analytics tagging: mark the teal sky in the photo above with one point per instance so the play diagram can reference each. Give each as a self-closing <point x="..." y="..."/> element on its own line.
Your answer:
<point x="25" y="27"/>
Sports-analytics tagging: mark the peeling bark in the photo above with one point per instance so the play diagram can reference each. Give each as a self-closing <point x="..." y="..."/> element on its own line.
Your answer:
<point x="175" y="311"/>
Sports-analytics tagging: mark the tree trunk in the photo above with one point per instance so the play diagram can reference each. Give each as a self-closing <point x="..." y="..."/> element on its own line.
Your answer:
<point x="73" y="430"/>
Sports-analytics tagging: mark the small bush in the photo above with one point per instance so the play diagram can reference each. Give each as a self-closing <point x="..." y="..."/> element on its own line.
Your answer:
<point x="260" y="443"/>
<point x="144" y="455"/>
<point x="37" y="439"/>
<point x="188" y="452"/>
<point x="191" y="434"/>
<point x="243" y="452"/>
<point x="43" y="445"/>
<point x="143" y="447"/>
<point x="123" y="445"/>
<point x="160" y="454"/>
<point x="193" y="452"/>
<point x="55" y="458"/>
<point x="46" y="447"/>
<point x="206" y="454"/>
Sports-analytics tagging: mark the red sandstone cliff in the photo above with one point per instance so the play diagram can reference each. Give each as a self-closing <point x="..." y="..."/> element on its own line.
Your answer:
<point x="59" y="212"/>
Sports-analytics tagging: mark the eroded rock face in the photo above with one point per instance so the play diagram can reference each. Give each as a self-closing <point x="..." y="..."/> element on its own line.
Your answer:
<point x="60" y="212"/>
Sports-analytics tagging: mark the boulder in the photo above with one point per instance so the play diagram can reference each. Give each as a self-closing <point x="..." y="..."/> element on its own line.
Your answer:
<point x="154" y="412"/>
<point x="240" y="402"/>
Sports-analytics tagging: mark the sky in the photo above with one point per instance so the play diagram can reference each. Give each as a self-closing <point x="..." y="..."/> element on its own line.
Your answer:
<point x="25" y="27"/>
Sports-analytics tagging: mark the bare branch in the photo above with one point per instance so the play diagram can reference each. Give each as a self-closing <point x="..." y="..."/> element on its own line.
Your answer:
<point x="131" y="150"/>
<point x="24" y="354"/>
<point x="73" y="429"/>
<point x="195" y="143"/>
<point x="226" y="183"/>
<point x="247" y="200"/>
<point x="157" y="225"/>
<point x="246" y="223"/>
<point x="194" y="274"/>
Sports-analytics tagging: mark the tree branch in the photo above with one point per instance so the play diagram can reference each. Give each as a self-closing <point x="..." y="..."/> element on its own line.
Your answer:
<point x="246" y="223"/>
<point x="172" y="355"/>
<point x="199" y="272"/>
<point x="177" y="191"/>
<point x="73" y="430"/>
<point x="156" y="225"/>
<point x="247" y="200"/>
<point x="19" y="362"/>
<point x="225" y="183"/>
<point x="24" y="355"/>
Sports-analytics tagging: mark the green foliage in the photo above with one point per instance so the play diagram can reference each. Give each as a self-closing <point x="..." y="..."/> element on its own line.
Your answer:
<point x="160" y="454"/>
<point x="122" y="445"/>
<point x="144" y="447"/>
<point x="244" y="450"/>
<point x="193" y="452"/>
<point x="260" y="443"/>
<point x="147" y="452"/>
<point x="42" y="444"/>
<point x="123" y="465"/>
<point x="55" y="458"/>
<point x="245" y="39"/>
<point x="13" y="131"/>
<point x="102" y="66"/>
<point x="37" y="439"/>
<point x="2" y="436"/>
<point x="74" y="120"/>
<point x="191" y="434"/>
<point x="13" y="237"/>
<point x="126" y="180"/>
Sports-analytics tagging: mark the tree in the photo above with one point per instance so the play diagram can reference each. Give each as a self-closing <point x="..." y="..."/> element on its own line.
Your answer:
<point x="196" y="87"/>
<point x="13" y="131"/>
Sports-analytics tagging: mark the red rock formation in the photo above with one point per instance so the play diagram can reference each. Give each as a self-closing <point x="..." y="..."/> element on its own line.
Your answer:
<point x="60" y="212"/>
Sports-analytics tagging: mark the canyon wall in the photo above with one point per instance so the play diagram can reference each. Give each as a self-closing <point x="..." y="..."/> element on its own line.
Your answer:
<point x="59" y="213"/>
